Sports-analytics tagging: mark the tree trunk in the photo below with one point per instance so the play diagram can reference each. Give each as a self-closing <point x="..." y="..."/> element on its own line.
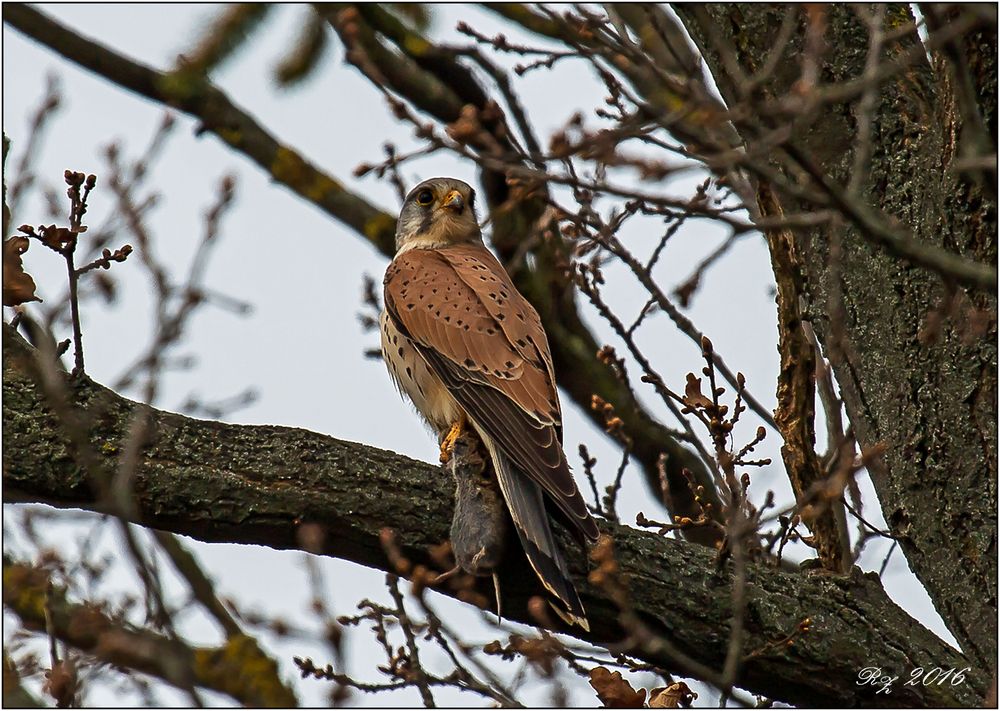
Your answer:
<point x="915" y="356"/>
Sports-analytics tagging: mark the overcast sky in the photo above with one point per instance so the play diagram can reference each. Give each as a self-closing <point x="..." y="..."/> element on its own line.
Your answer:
<point x="301" y="348"/>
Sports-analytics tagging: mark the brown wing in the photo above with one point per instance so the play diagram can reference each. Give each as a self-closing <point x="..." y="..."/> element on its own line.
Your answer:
<point x="482" y="272"/>
<point x="486" y="343"/>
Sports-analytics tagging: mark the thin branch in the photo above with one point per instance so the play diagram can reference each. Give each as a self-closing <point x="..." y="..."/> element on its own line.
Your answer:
<point x="218" y="115"/>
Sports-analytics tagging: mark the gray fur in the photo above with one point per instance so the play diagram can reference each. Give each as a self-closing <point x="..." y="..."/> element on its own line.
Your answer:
<point x="479" y="524"/>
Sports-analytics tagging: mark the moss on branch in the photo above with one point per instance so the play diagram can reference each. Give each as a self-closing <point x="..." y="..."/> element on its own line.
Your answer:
<point x="238" y="668"/>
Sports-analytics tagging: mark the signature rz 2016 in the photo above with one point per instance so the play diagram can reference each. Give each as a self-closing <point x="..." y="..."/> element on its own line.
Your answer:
<point x="874" y="676"/>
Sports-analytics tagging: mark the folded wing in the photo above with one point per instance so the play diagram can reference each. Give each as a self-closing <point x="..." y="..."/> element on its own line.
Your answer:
<point x="486" y="343"/>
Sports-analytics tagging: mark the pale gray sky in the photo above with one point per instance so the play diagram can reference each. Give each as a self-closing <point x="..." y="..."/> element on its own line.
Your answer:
<point x="301" y="349"/>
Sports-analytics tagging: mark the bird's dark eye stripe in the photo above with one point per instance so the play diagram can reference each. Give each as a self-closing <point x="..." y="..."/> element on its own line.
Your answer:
<point x="424" y="197"/>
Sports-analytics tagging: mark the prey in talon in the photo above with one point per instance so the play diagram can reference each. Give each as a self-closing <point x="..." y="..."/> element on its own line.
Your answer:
<point x="480" y="521"/>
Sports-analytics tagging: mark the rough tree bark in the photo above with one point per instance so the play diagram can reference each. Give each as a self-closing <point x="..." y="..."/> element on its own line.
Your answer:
<point x="256" y="484"/>
<point x="926" y="390"/>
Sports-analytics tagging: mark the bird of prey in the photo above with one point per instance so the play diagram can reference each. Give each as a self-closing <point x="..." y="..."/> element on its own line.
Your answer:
<point x="470" y="351"/>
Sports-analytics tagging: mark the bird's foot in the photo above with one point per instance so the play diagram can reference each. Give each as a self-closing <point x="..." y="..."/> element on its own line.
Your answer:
<point x="448" y="443"/>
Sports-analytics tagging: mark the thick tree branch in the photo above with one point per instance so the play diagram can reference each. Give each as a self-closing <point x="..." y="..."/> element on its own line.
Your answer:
<point x="237" y="669"/>
<point x="256" y="484"/>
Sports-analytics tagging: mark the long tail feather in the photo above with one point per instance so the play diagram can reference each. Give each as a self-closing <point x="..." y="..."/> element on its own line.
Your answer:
<point x="531" y="521"/>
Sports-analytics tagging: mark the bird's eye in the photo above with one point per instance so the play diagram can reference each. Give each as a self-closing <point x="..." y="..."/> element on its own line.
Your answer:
<point x="425" y="197"/>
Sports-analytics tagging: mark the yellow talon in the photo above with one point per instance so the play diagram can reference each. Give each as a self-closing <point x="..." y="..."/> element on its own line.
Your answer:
<point x="448" y="443"/>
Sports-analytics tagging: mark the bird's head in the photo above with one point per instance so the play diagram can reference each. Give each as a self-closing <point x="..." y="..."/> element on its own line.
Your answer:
<point x="437" y="213"/>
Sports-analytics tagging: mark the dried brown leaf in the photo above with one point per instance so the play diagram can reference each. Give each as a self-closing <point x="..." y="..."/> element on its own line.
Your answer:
<point x="61" y="683"/>
<point x="18" y="286"/>
<point x="55" y="238"/>
<point x="675" y="696"/>
<point x="693" y="396"/>
<point x="614" y="691"/>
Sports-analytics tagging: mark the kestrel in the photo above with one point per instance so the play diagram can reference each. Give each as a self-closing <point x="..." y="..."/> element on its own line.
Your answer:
<point x="469" y="350"/>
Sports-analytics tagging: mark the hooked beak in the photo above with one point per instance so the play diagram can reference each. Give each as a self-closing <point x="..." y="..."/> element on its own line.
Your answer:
<point x="454" y="201"/>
